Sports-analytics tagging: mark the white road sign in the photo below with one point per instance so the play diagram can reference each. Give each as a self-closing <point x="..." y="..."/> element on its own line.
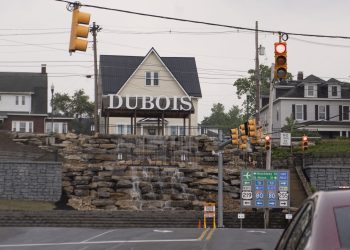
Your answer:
<point x="285" y="139"/>
<point x="247" y="195"/>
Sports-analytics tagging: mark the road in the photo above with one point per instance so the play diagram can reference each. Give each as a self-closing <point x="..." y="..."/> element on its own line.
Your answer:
<point x="15" y="238"/>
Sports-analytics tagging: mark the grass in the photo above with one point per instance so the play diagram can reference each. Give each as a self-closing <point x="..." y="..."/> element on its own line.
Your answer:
<point x="321" y="148"/>
<point x="26" y="205"/>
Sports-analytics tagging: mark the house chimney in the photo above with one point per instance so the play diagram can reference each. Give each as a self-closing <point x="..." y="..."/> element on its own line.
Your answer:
<point x="300" y="76"/>
<point x="43" y="68"/>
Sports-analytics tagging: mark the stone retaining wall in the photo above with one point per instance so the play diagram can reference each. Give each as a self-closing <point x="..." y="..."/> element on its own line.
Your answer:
<point x="325" y="177"/>
<point x="31" y="180"/>
<point x="113" y="172"/>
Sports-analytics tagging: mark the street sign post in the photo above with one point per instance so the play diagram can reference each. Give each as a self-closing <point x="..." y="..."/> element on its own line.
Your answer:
<point x="209" y="212"/>
<point x="265" y="189"/>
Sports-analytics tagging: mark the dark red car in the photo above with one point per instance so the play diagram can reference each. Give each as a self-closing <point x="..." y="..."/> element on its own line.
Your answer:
<point x="321" y="223"/>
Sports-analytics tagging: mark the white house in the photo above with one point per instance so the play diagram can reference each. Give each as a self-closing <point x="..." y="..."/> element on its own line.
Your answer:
<point x="149" y="94"/>
<point x="315" y="104"/>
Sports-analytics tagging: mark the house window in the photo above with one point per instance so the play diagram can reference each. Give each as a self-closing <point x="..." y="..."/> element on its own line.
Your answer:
<point x="346" y="113"/>
<point x="299" y="112"/>
<point x="182" y="131"/>
<point x="322" y="112"/>
<point x="334" y="90"/>
<point x="30" y="127"/>
<point x="311" y="91"/>
<point x="22" y="126"/>
<point x="120" y="129"/>
<point x="17" y="100"/>
<point x="128" y="129"/>
<point x="173" y="130"/>
<point x="23" y="100"/>
<point x="152" y="79"/>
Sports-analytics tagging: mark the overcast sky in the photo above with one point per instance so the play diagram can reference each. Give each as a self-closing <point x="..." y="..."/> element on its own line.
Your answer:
<point x="33" y="32"/>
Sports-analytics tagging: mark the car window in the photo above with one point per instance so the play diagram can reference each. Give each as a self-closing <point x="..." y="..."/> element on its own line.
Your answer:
<point x="302" y="230"/>
<point x="289" y="231"/>
<point x="342" y="216"/>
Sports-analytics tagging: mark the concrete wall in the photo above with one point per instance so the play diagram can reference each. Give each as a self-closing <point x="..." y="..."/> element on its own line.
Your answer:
<point x="31" y="180"/>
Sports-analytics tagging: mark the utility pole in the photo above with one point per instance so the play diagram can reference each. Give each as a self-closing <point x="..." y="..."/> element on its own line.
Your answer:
<point x="257" y="76"/>
<point x="269" y="118"/>
<point x="94" y="29"/>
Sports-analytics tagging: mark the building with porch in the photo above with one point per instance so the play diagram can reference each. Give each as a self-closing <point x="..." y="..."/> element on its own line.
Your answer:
<point x="149" y="95"/>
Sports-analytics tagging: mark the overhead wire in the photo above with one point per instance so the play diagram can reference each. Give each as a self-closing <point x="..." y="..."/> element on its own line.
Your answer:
<point x="206" y="23"/>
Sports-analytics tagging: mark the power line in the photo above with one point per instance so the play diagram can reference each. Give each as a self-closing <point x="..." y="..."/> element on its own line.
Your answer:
<point x="206" y="23"/>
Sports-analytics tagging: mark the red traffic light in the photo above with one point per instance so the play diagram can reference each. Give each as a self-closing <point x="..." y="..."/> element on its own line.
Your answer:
<point x="267" y="138"/>
<point x="280" y="60"/>
<point x="305" y="138"/>
<point x="280" y="48"/>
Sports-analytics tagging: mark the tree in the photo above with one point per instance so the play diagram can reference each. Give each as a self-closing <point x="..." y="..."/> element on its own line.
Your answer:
<point x="219" y="119"/>
<point x="61" y="104"/>
<point x="247" y="86"/>
<point x="78" y="104"/>
<point x="81" y="105"/>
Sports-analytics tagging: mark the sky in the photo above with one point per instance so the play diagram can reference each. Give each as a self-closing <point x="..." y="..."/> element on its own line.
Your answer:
<point x="35" y="32"/>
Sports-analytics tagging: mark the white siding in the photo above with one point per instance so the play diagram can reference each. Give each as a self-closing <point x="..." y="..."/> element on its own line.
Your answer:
<point x="167" y="85"/>
<point x="8" y="103"/>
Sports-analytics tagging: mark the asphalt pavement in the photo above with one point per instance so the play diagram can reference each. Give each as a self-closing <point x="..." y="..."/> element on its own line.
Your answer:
<point x="40" y="238"/>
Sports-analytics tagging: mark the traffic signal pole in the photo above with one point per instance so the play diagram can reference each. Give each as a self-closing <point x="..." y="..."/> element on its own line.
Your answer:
<point x="269" y="118"/>
<point x="269" y="132"/>
<point x="94" y="29"/>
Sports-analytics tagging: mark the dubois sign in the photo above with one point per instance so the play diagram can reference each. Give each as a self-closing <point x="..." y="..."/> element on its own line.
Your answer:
<point x="150" y="102"/>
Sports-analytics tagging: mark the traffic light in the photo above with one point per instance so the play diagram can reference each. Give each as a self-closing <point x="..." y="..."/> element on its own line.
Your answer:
<point x="267" y="142"/>
<point x="243" y="136"/>
<point x="80" y="28"/>
<point x="252" y="128"/>
<point x="280" y="60"/>
<point x="234" y="136"/>
<point x="304" y="142"/>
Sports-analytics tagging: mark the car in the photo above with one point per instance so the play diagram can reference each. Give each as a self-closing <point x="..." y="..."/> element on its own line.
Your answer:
<point x="321" y="223"/>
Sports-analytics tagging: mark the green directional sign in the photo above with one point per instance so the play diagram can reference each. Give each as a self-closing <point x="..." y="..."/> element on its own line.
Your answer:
<point x="265" y="188"/>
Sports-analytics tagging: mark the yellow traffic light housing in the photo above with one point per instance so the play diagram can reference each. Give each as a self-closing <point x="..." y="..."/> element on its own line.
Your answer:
<point x="252" y="132"/>
<point x="280" y="71"/>
<point x="304" y="143"/>
<point x="80" y="28"/>
<point x="267" y="142"/>
<point x="234" y="136"/>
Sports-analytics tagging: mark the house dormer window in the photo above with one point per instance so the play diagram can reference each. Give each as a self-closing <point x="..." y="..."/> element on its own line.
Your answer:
<point x="310" y="90"/>
<point x="152" y="78"/>
<point x="334" y="91"/>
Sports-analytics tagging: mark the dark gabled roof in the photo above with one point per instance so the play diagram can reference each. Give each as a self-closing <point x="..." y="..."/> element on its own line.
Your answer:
<point x="116" y="70"/>
<point x="21" y="81"/>
<point x="297" y="90"/>
<point x="27" y="82"/>
<point x="333" y="81"/>
<point x="312" y="79"/>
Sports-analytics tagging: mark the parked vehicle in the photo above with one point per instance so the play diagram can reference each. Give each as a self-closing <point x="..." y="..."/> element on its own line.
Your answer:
<point x="321" y="223"/>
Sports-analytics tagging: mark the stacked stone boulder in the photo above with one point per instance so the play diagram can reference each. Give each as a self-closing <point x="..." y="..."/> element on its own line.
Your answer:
<point x="129" y="172"/>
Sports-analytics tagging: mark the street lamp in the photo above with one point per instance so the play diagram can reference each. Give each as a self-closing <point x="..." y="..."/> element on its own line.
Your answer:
<point x="52" y="90"/>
